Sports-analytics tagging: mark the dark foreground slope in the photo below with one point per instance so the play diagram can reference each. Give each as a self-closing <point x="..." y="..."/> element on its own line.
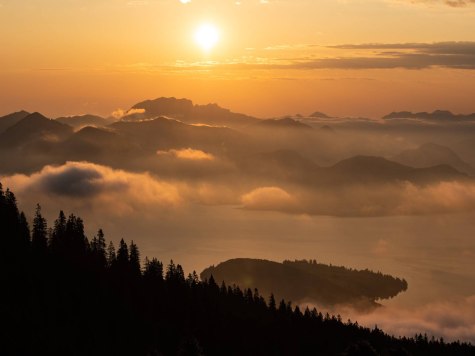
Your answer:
<point x="309" y="281"/>
<point x="63" y="294"/>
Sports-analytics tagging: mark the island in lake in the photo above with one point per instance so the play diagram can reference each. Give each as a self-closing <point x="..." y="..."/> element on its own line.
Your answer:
<point x="306" y="281"/>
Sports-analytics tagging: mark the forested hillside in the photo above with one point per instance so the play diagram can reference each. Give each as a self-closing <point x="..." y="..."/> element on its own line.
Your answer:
<point x="65" y="294"/>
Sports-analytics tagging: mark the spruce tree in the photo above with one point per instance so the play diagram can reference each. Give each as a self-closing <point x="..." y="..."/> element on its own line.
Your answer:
<point x="123" y="255"/>
<point x="153" y="269"/>
<point x="134" y="259"/>
<point x="25" y="237"/>
<point x="98" y="249"/>
<point x="58" y="237"/>
<point x="111" y="255"/>
<point x="39" y="233"/>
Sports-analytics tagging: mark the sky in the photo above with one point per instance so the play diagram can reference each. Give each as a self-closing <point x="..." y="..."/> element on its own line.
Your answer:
<point x="273" y="58"/>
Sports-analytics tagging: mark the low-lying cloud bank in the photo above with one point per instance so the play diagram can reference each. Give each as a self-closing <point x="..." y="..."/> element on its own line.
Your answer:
<point x="452" y="320"/>
<point x="123" y="192"/>
<point x="402" y="198"/>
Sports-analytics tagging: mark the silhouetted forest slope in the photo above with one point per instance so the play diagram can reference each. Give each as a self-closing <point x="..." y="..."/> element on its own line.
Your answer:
<point x="308" y="281"/>
<point x="65" y="294"/>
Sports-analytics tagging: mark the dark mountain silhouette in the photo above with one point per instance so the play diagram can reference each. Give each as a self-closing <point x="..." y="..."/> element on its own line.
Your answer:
<point x="440" y="115"/>
<point x="320" y="115"/>
<point x="308" y="281"/>
<point x="371" y="169"/>
<point x="286" y="123"/>
<point x="66" y="294"/>
<point x="33" y="128"/>
<point x="431" y="154"/>
<point x="163" y="133"/>
<point x="104" y="145"/>
<point x="290" y="166"/>
<point x="81" y="121"/>
<point x="184" y="110"/>
<point x="11" y="119"/>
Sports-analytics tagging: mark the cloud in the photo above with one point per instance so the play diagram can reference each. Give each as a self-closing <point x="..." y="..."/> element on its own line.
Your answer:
<point x="178" y="184"/>
<point x="403" y="198"/>
<point x="455" y="55"/>
<point x="268" y="198"/>
<point x="452" y="320"/>
<point x="82" y="183"/>
<point x="451" y="3"/>
<point x="459" y="3"/>
<point x="188" y="154"/>
<point x="120" y="113"/>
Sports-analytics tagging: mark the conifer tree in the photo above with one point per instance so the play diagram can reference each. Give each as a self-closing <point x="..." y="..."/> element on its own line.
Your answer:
<point x="134" y="259"/>
<point x="25" y="236"/>
<point x="272" y="305"/>
<point x="111" y="255"/>
<point x="123" y="255"/>
<point x="98" y="248"/>
<point x="171" y="271"/>
<point x="39" y="233"/>
<point x="153" y="269"/>
<point x="58" y="237"/>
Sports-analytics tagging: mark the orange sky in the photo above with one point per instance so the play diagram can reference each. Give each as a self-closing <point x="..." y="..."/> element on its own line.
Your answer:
<point x="273" y="57"/>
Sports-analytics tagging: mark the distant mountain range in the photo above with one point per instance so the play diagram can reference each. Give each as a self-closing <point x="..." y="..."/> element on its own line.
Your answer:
<point x="320" y="115"/>
<point x="184" y="110"/>
<point x="52" y="141"/>
<point x="273" y="150"/>
<point x="11" y="119"/>
<point x="431" y="154"/>
<point x="85" y="120"/>
<point x="286" y="123"/>
<point x="34" y="127"/>
<point x="290" y="166"/>
<point x="435" y="115"/>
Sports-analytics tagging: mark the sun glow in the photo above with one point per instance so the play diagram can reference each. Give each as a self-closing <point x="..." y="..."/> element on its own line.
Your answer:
<point x="206" y="36"/>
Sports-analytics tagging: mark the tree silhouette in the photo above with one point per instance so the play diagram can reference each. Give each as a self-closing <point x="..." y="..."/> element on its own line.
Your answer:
<point x="98" y="249"/>
<point x="111" y="255"/>
<point x="39" y="233"/>
<point x="134" y="260"/>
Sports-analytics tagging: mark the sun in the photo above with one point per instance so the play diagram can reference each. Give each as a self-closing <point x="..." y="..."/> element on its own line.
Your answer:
<point x="206" y="36"/>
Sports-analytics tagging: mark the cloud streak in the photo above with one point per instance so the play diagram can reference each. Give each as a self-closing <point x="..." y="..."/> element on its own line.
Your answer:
<point x="187" y="154"/>
<point x="452" y="320"/>
<point x="454" y="55"/>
